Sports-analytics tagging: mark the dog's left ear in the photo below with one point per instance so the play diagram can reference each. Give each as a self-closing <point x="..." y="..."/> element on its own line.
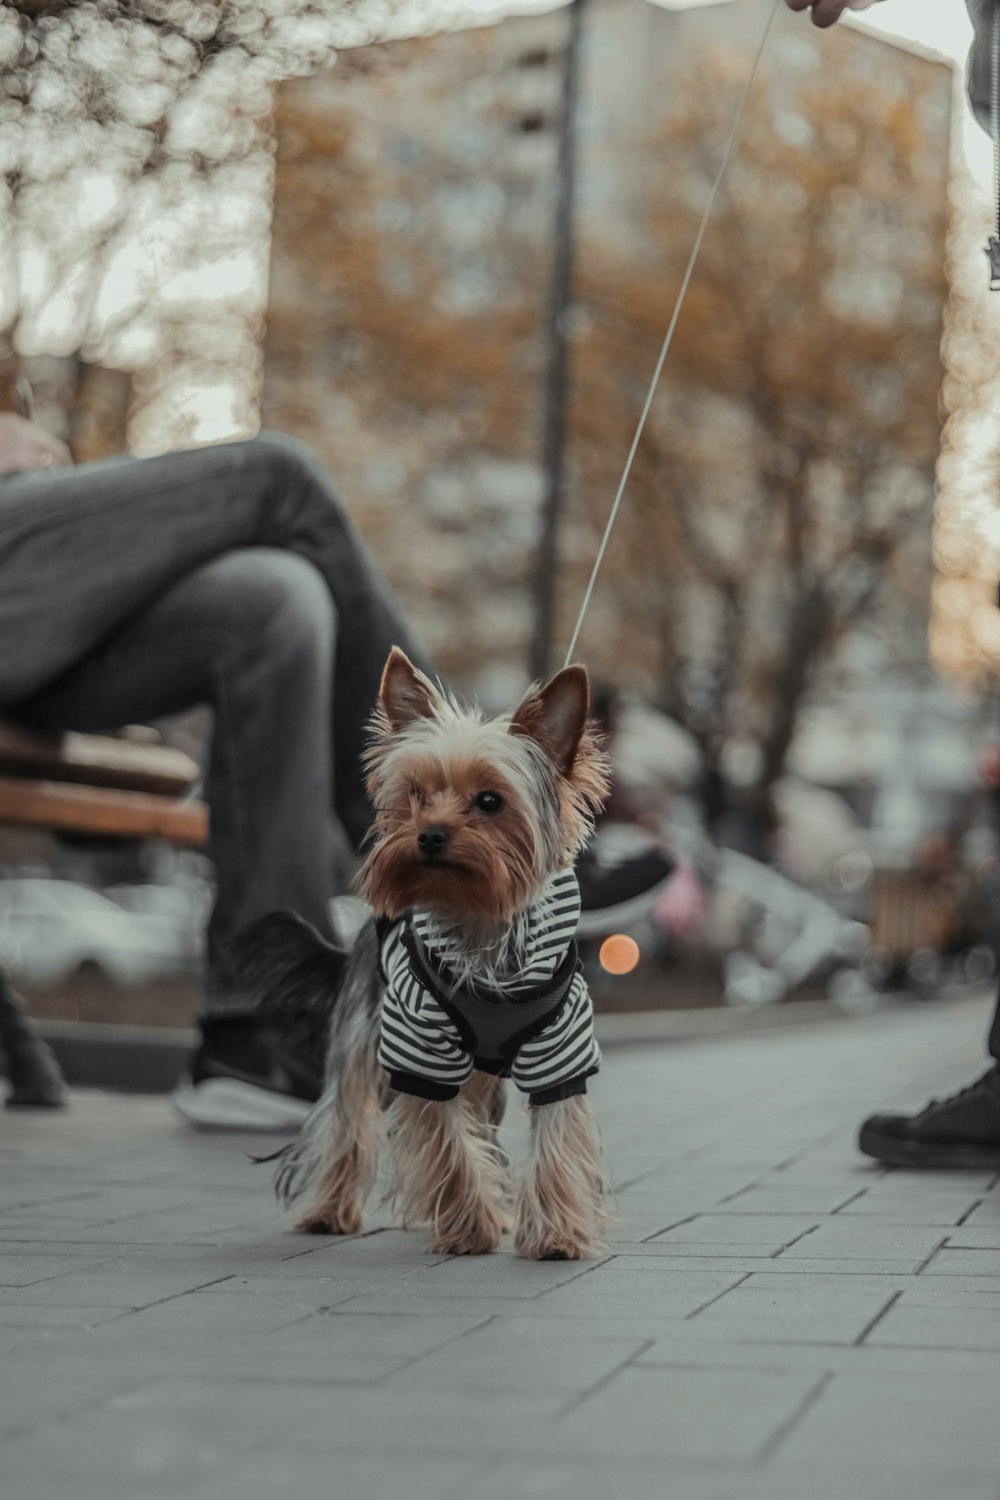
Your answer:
<point x="556" y="715"/>
<point x="405" y="693"/>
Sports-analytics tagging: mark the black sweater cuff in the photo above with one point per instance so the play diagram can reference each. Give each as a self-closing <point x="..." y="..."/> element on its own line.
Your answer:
<point x="423" y="1088"/>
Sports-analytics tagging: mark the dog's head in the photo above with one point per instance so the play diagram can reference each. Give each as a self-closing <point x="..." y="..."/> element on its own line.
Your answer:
<point x="473" y="815"/>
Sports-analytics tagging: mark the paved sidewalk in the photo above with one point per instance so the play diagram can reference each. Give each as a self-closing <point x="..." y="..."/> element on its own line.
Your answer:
<point x="774" y="1319"/>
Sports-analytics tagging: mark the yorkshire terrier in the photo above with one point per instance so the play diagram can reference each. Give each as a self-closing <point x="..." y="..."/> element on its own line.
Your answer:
<point x="466" y="975"/>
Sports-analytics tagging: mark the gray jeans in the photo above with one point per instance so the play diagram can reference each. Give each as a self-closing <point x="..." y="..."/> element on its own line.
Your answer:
<point x="136" y="588"/>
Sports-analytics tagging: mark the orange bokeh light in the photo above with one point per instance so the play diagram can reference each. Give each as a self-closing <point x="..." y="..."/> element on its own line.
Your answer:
<point x="619" y="954"/>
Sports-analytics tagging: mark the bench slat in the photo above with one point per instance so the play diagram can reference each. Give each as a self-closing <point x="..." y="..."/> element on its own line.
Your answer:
<point x="100" y="810"/>
<point x="96" y="760"/>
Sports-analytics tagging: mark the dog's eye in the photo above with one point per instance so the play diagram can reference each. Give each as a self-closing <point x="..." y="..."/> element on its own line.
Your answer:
<point x="416" y="794"/>
<point x="489" y="802"/>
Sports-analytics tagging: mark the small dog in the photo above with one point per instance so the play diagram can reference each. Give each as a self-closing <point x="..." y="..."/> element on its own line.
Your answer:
<point x="467" y="974"/>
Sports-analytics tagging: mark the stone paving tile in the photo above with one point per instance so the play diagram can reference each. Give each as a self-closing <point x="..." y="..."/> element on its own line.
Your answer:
<point x="205" y="1310"/>
<point x="680" y="1343"/>
<point x="30" y="1270"/>
<point x="334" y="1344"/>
<point x="933" y="1206"/>
<point x="503" y="1275"/>
<point x="38" y="1315"/>
<point x="948" y="1262"/>
<point x="318" y="1348"/>
<point x="20" y="1243"/>
<point x="312" y="1293"/>
<point x="629" y="1480"/>
<point x="953" y="1181"/>
<point x="773" y="1231"/>
<point x="712" y="1415"/>
<point x="108" y="1285"/>
<point x="204" y="1354"/>
<point x="684" y="1193"/>
<point x="792" y="1313"/>
<point x="947" y="1327"/>
<point x="838" y="1238"/>
<point x="660" y="1292"/>
<point x="348" y="1476"/>
<point x="386" y="1249"/>
<point x="404" y="1420"/>
<point x="684" y="1347"/>
<point x="597" y="1479"/>
<point x="635" y="1225"/>
<point x="44" y="1387"/>
<point x="697" y="1250"/>
<point x="802" y="1198"/>
<point x="684" y="1257"/>
<point x="522" y="1356"/>
<point x="783" y="1481"/>
<point x="986" y="1212"/>
<point x="52" y="1487"/>
<point x="787" y="1264"/>
<point x="718" y="1260"/>
<point x="357" y="1260"/>
<point x="952" y="1291"/>
<point x="181" y="1428"/>
<point x="974" y="1237"/>
<point x="942" y="1427"/>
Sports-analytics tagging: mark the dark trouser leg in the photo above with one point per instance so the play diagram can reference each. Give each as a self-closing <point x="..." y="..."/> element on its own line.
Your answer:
<point x="90" y="636"/>
<point x="85" y="551"/>
<point x="253" y="634"/>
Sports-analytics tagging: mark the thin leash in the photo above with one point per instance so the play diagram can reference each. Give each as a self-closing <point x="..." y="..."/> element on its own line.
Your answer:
<point x="668" y="339"/>
<point x="993" y="243"/>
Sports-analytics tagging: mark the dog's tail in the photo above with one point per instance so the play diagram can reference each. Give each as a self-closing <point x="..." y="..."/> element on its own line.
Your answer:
<point x="321" y="998"/>
<point x="293" y="976"/>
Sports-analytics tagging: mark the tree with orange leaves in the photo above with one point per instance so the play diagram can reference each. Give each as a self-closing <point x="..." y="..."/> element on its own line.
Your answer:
<point x="781" y="500"/>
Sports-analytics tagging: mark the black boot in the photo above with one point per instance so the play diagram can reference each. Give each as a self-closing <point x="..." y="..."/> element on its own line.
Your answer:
<point x="960" y="1131"/>
<point x="35" y="1079"/>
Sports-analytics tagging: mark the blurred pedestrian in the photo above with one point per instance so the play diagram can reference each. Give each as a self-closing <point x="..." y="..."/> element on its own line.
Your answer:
<point x="962" y="1130"/>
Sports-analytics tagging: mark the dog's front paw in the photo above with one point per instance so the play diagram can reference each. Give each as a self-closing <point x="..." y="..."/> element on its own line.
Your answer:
<point x="481" y="1239"/>
<point x="329" y="1223"/>
<point x="556" y="1252"/>
<point x="465" y="1247"/>
<point x="554" y="1246"/>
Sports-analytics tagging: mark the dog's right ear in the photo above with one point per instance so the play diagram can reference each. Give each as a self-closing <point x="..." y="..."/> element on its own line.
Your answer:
<point x="556" y="715"/>
<point x="406" y="694"/>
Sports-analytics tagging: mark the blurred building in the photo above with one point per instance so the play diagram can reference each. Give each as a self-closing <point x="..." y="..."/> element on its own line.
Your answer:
<point x="412" y="240"/>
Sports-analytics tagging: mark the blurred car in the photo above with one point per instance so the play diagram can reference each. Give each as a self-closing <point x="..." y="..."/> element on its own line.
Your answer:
<point x="52" y="929"/>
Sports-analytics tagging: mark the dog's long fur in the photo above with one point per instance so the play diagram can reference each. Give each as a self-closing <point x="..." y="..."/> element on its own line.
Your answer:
<point x="446" y="1168"/>
<point x="306" y="985"/>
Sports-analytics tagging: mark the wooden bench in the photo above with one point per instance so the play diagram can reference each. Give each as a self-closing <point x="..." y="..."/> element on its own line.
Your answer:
<point x="910" y="911"/>
<point x="128" y="786"/>
<point x="120" y="787"/>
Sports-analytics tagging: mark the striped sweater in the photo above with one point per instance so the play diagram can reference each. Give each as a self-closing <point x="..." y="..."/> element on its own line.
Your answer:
<point x="533" y="1022"/>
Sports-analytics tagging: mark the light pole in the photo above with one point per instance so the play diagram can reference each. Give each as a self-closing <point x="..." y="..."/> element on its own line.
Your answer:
<point x="556" y="384"/>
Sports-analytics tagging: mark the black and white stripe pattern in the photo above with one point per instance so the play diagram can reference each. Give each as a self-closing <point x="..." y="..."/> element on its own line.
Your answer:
<point x="532" y="949"/>
<point x="418" y="1037"/>
<point x="565" y="1049"/>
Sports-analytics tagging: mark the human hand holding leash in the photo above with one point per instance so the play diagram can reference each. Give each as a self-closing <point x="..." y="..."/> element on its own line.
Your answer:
<point x="25" y="445"/>
<point x="826" y="12"/>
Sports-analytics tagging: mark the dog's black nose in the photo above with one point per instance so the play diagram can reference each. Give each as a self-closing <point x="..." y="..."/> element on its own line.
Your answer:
<point x="432" y="840"/>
